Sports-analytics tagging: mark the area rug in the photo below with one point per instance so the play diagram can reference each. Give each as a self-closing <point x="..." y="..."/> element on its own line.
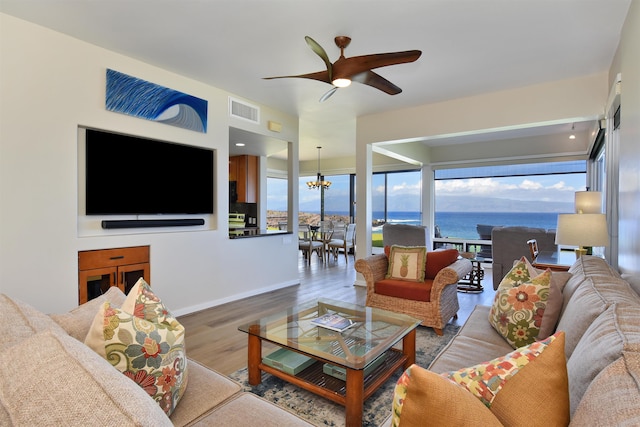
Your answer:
<point x="322" y="412"/>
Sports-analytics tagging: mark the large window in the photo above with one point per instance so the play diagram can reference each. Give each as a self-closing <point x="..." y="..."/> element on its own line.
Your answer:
<point x="396" y="198"/>
<point x="334" y="203"/>
<point x="527" y="195"/>
<point x="277" y="202"/>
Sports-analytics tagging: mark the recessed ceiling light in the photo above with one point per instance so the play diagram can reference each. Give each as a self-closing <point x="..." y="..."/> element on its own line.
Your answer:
<point x="239" y="144"/>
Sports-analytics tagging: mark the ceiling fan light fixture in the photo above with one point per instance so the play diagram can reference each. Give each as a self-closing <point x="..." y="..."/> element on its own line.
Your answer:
<point x="341" y="82"/>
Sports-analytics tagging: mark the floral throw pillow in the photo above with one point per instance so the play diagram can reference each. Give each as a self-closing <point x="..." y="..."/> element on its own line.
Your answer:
<point x="144" y="342"/>
<point x="528" y="386"/>
<point x="407" y="263"/>
<point x="422" y="395"/>
<point x="518" y="274"/>
<point x="519" y="305"/>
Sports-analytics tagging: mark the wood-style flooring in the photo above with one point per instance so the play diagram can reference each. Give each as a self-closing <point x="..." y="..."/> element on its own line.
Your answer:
<point x="212" y="335"/>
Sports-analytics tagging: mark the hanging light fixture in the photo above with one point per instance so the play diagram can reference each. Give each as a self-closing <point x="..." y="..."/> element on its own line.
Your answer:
<point x="573" y="135"/>
<point x="319" y="182"/>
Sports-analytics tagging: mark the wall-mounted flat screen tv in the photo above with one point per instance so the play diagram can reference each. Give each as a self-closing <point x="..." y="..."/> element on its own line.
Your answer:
<point x="127" y="175"/>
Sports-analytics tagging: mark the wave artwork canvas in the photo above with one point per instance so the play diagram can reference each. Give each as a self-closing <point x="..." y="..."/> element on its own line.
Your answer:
<point x="136" y="97"/>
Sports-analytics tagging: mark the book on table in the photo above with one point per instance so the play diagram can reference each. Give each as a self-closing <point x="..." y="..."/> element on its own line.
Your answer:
<point x="333" y="321"/>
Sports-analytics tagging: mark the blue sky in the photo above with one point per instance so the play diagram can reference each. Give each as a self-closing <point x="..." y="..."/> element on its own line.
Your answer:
<point x="542" y="192"/>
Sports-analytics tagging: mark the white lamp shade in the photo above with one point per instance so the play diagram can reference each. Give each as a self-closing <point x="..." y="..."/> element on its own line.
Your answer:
<point x="582" y="230"/>
<point x="588" y="202"/>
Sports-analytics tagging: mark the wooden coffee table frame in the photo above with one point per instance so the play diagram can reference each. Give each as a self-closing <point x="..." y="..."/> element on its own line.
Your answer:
<point x="350" y="393"/>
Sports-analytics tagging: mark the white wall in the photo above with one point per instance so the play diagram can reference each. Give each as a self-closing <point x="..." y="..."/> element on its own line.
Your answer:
<point x="51" y="84"/>
<point x="628" y="65"/>
<point x="578" y="98"/>
<point x="562" y="101"/>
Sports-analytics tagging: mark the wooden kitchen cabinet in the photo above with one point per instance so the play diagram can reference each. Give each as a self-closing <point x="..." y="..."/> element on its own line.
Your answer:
<point x="98" y="270"/>
<point x="244" y="170"/>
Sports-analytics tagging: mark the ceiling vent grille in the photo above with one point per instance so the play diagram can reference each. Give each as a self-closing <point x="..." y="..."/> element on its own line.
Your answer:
<point x="243" y="110"/>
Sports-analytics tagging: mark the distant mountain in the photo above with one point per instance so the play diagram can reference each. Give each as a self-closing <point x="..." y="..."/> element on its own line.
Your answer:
<point x="411" y="203"/>
<point x="495" y="204"/>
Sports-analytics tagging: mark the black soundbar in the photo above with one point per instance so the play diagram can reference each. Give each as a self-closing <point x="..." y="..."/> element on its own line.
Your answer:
<point x="147" y="223"/>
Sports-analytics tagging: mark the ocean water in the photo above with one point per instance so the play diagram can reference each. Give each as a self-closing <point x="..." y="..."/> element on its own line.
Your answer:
<point x="463" y="225"/>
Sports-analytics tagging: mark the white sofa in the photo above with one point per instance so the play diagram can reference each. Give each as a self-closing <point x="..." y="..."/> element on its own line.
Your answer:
<point x="49" y="377"/>
<point x="601" y="320"/>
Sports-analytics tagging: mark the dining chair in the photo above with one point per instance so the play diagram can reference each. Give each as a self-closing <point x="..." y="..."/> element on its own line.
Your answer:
<point x="308" y="245"/>
<point x="339" y="229"/>
<point x="346" y="243"/>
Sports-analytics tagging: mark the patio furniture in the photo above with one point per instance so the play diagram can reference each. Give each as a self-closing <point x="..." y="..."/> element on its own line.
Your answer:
<point x="510" y="243"/>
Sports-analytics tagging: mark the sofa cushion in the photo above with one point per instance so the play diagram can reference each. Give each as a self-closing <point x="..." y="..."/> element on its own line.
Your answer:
<point x="592" y="266"/>
<point x="20" y="321"/>
<point x="437" y="260"/>
<point x="407" y="263"/>
<point x="145" y="342"/>
<point x="415" y="291"/>
<point x="580" y="311"/>
<point x="555" y="300"/>
<point x="247" y="409"/>
<point x="519" y="305"/>
<point x="527" y="386"/>
<point x="422" y="397"/>
<point x="476" y="342"/>
<point x="78" y="321"/>
<point x="584" y="267"/>
<point x="207" y="389"/>
<point x="614" y="331"/>
<point x="612" y="397"/>
<point x="64" y="383"/>
<point x="614" y="290"/>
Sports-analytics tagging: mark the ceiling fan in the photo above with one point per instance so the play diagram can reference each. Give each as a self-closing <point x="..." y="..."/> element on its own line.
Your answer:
<point x="357" y="68"/>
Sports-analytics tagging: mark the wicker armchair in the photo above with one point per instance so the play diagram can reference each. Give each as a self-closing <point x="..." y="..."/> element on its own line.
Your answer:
<point x="443" y="304"/>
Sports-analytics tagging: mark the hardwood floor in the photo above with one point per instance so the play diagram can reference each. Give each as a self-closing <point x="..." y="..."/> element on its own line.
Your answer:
<point x="212" y="335"/>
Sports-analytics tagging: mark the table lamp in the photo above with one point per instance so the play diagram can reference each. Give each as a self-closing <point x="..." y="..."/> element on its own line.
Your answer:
<point x="588" y="202"/>
<point x="582" y="230"/>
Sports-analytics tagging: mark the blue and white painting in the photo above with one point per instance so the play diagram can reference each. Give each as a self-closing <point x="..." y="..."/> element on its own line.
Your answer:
<point x="139" y="98"/>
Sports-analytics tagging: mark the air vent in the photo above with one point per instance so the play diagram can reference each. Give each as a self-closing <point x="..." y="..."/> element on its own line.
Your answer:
<point x="243" y="110"/>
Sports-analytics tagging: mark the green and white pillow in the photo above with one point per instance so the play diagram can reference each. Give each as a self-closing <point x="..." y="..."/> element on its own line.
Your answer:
<point x="144" y="342"/>
<point x="519" y="305"/>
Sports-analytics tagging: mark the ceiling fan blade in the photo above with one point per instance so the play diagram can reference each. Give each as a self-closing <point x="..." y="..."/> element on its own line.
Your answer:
<point x="322" y="76"/>
<point x="347" y="67"/>
<point x="315" y="46"/>
<point x="328" y="94"/>
<point x="372" y="79"/>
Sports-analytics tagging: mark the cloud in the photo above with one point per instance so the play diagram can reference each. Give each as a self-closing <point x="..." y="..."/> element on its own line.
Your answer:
<point x="405" y="188"/>
<point x="542" y="188"/>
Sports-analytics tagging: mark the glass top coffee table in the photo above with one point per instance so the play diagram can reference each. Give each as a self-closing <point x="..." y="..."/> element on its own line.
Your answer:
<point x="360" y="359"/>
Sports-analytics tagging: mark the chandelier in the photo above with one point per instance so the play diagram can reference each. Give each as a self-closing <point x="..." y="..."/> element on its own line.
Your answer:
<point x="318" y="183"/>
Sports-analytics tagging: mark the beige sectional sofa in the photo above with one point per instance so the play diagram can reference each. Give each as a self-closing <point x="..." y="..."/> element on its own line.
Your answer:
<point x="49" y="377"/>
<point x="601" y="321"/>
